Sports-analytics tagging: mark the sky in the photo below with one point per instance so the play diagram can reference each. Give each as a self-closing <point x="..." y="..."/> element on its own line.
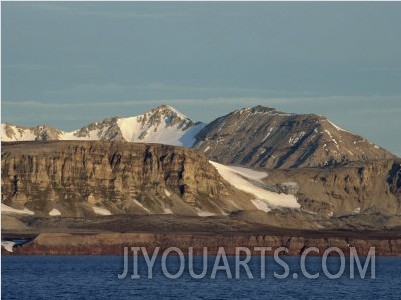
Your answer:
<point x="67" y="64"/>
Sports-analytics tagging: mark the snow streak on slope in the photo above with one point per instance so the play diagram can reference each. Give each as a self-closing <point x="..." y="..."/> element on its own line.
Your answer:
<point x="101" y="211"/>
<point x="240" y="178"/>
<point x="8" y="209"/>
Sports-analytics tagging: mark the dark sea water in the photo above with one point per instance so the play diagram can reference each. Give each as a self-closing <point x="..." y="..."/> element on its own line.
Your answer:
<point x="95" y="277"/>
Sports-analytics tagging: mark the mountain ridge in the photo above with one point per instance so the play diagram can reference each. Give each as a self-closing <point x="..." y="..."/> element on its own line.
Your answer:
<point x="163" y="124"/>
<point x="267" y="138"/>
<point x="258" y="136"/>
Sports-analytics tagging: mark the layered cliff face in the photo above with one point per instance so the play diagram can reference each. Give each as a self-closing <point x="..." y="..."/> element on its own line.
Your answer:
<point x="80" y="178"/>
<point x="264" y="137"/>
<point x="352" y="189"/>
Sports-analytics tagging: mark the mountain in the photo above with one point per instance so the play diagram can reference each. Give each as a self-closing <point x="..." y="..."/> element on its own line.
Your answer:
<point x="284" y="165"/>
<point x="258" y="137"/>
<point x="255" y="137"/>
<point x="84" y="178"/>
<point x="10" y="132"/>
<point x="162" y="124"/>
<point x="266" y="138"/>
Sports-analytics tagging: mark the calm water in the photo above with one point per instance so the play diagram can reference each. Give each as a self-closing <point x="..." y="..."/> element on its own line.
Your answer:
<point x="95" y="277"/>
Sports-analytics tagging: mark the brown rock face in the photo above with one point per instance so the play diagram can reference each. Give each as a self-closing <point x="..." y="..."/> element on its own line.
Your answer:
<point x="264" y="137"/>
<point x="74" y="176"/>
<point x="354" y="188"/>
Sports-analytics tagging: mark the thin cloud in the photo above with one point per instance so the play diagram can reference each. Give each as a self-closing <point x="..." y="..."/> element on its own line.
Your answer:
<point x="249" y="101"/>
<point x="90" y="9"/>
<point x="27" y="67"/>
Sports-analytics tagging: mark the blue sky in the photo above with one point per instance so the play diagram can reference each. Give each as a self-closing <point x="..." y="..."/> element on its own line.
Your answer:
<point x="68" y="64"/>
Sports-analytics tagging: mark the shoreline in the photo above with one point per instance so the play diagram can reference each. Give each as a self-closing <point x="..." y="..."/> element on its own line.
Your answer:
<point x="113" y="243"/>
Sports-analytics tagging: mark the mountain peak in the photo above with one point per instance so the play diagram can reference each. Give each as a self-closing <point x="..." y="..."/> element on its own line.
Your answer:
<point x="164" y="107"/>
<point x="168" y="111"/>
<point x="264" y="137"/>
<point x="260" y="109"/>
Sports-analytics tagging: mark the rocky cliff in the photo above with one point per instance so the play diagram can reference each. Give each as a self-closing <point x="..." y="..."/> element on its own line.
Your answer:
<point x="352" y="189"/>
<point x="78" y="178"/>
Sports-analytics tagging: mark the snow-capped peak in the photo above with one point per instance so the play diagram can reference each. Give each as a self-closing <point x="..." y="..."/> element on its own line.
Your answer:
<point x="169" y="110"/>
<point x="163" y="124"/>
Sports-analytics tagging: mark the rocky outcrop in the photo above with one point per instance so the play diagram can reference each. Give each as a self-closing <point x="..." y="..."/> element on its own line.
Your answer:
<point x="73" y="177"/>
<point x="264" y="137"/>
<point x="106" y="130"/>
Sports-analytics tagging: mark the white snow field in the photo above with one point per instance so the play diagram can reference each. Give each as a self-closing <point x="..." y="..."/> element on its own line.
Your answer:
<point x="264" y="200"/>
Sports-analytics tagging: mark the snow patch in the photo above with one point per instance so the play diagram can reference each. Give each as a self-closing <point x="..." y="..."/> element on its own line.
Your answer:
<point x="167" y="193"/>
<point x="261" y="205"/>
<point x="293" y="140"/>
<point x="101" y="211"/>
<point x="337" y="127"/>
<point x="235" y="176"/>
<point x="203" y="213"/>
<point x="168" y="211"/>
<point x="8" y="209"/>
<point x="268" y="134"/>
<point x="8" y="245"/>
<point x="54" y="212"/>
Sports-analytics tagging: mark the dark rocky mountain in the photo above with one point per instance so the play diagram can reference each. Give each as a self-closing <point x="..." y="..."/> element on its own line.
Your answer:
<point x="267" y="138"/>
